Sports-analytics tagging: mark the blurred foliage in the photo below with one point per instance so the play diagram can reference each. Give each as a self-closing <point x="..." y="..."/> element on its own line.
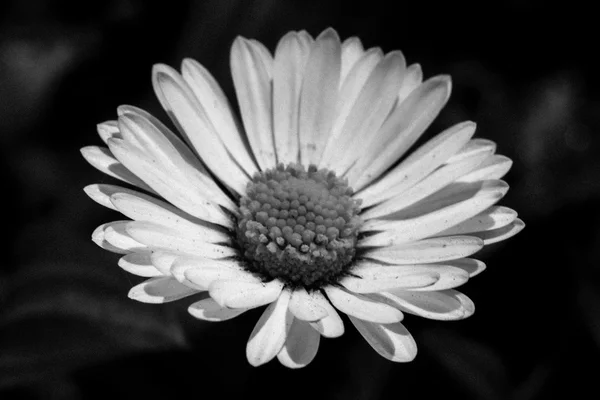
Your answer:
<point x="67" y="329"/>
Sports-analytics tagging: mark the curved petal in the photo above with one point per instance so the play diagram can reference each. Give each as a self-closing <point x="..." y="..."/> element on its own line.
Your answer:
<point x="244" y="294"/>
<point x="300" y="346"/>
<point x="332" y="325"/>
<point x="362" y="307"/>
<point x="102" y="159"/>
<point x="209" y="310"/>
<point x="446" y="305"/>
<point x="139" y="264"/>
<point x="307" y="306"/>
<point x="392" y="341"/>
<point x="160" y="290"/>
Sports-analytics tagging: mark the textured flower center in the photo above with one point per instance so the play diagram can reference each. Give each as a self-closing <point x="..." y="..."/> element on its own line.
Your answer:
<point x="298" y="226"/>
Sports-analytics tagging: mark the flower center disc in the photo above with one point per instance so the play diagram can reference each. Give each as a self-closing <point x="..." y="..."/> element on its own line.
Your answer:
<point x="298" y="226"/>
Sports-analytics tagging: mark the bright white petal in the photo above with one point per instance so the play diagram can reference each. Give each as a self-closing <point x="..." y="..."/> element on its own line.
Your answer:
<point x="413" y="78"/>
<point x="139" y="264"/>
<point x="446" y="305"/>
<point x="203" y="272"/>
<point x="392" y="341"/>
<point x="401" y="130"/>
<point x="244" y="294"/>
<point x="427" y="250"/>
<point x="102" y="159"/>
<point x="98" y="238"/>
<point x="493" y="218"/>
<point x="253" y="89"/>
<point x="209" y="310"/>
<point x="473" y="147"/>
<point x="495" y="167"/>
<point x="362" y="307"/>
<point x="160" y="290"/>
<point x="307" y="306"/>
<point x="107" y="130"/>
<point x="500" y="234"/>
<point x="301" y="345"/>
<point x="471" y="266"/>
<point x="319" y="95"/>
<point x="163" y="238"/>
<point x="116" y="234"/>
<point x="270" y="332"/>
<point x="332" y="325"/>
<point x="419" y="164"/>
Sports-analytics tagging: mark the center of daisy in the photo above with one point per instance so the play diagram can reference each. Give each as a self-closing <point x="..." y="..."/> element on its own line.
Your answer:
<point x="298" y="226"/>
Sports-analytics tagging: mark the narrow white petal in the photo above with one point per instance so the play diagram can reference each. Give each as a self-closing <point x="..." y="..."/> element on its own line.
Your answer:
<point x="400" y="131"/>
<point x="265" y="56"/>
<point x="369" y="111"/>
<point x="204" y="272"/>
<point x="392" y="341"/>
<point x="290" y="58"/>
<point x="300" y="346"/>
<point x="270" y="332"/>
<point x="253" y="89"/>
<point x="493" y="218"/>
<point x="107" y="130"/>
<point x="160" y="290"/>
<point x="98" y="238"/>
<point x="349" y="93"/>
<point x="141" y="207"/>
<point x="209" y="310"/>
<point x="419" y="164"/>
<point x="473" y="147"/>
<point x="446" y="305"/>
<point x="362" y="307"/>
<point x="332" y="325"/>
<point x="495" y="167"/>
<point x="244" y="294"/>
<point x="319" y="95"/>
<point x="163" y="238"/>
<point x="163" y="260"/>
<point x="352" y="51"/>
<point x="98" y="193"/>
<point x="306" y="306"/>
<point x="139" y="264"/>
<point x="191" y="119"/>
<point x="434" y="218"/>
<point x="471" y="266"/>
<point x="164" y="148"/>
<point x="500" y="234"/>
<point x="179" y="271"/>
<point x="427" y="250"/>
<point x="371" y="277"/>
<point x="115" y="233"/>
<point x="218" y="112"/>
<point x="102" y="159"/>
<point x="191" y="195"/>
<point x="400" y="198"/>
<point x="413" y="78"/>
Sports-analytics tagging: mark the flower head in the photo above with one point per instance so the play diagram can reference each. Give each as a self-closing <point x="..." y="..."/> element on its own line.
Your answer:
<point x="304" y="207"/>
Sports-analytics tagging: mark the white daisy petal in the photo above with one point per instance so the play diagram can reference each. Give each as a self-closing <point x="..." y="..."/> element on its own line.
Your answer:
<point x="270" y="332"/>
<point x="162" y="238"/>
<point x="244" y="294"/>
<point x="362" y="307"/>
<point x="98" y="238"/>
<point x="471" y="266"/>
<point x="473" y="147"/>
<point x="160" y="290"/>
<point x="108" y="129"/>
<point x="290" y="58"/>
<point x="141" y="207"/>
<point x="164" y="148"/>
<point x="265" y="56"/>
<point x="444" y="305"/>
<point x="497" y="235"/>
<point x="392" y="341"/>
<point x="427" y="250"/>
<point x="412" y="79"/>
<point x="400" y="198"/>
<point x="369" y="111"/>
<point x="139" y="264"/>
<point x="186" y="193"/>
<point x="306" y="306"/>
<point x="300" y="346"/>
<point x="433" y="219"/>
<point x="203" y="272"/>
<point x="218" y="112"/>
<point x="100" y="194"/>
<point x="419" y="164"/>
<point x="319" y="95"/>
<point x="400" y="131"/>
<point x="253" y="89"/>
<point x="179" y="270"/>
<point x="102" y="159"/>
<point x="115" y="233"/>
<point x="349" y="92"/>
<point x="376" y="278"/>
<point x="163" y="260"/>
<point x="191" y="119"/>
<point x="494" y="217"/>
<point x="209" y="310"/>
<point x="495" y="167"/>
<point x="352" y="51"/>
<point x="332" y="325"/>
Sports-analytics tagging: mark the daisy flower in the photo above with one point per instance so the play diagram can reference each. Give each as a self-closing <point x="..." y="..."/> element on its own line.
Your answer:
<point x="314" y="204"/>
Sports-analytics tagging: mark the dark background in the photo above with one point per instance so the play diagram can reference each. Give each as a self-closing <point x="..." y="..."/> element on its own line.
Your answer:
<point x="524" y="70"/>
